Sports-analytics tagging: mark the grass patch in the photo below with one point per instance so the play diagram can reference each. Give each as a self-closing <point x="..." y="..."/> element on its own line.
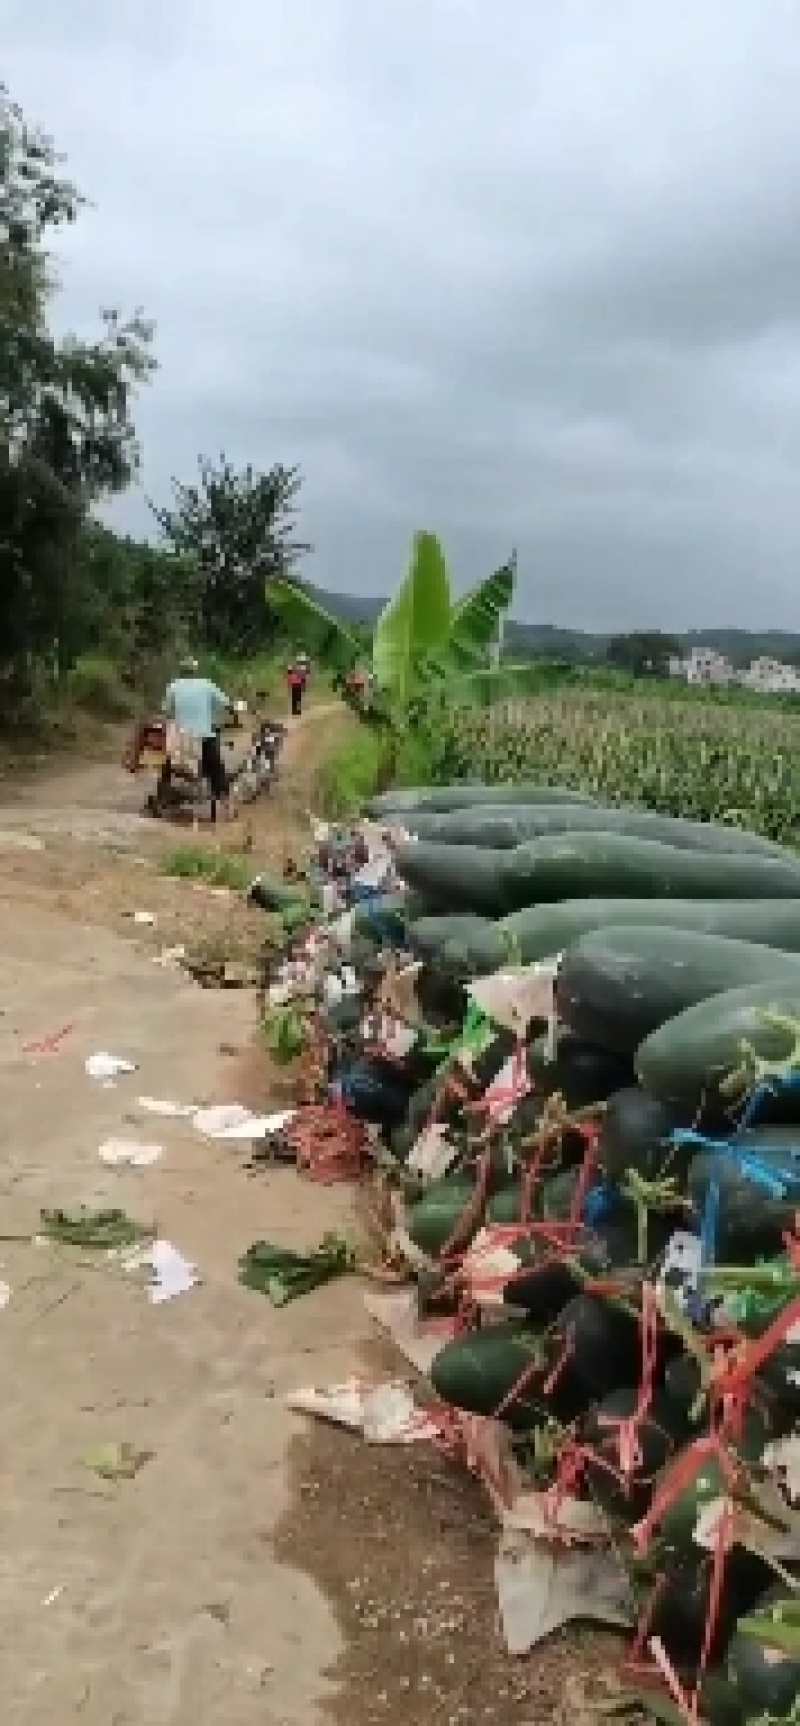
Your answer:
<point x="369" y="760"/>
<point x="214" y="868"/>
<point x="259" y="681"/>
<point x="349" y="774"/>
<point x="94" y="685"/>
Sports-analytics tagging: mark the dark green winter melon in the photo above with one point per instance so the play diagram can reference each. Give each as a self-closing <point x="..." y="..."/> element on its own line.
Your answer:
<point x="780" y="1373"/>
<point x="634" y="1130"/>
<point x="476" y="1373"/>
<point x="681" y="1612"/>
<point x="603" y="1345"/>
<point x="426" y="936"/>
<point x="719" y="1703"/>
<point x="751" y="1222"/>
<point x="431" y="1220"/>
<point x="660" y="1435"/>
<point x="767" y="1680"/>
<point x="582" y="1074"/>
<point x="762" y="1426"/>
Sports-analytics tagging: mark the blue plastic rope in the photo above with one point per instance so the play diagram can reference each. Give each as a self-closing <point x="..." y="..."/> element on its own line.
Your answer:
<point x="777" y="1182"/>
<point x="709" y="1225"/>
<point x="599" y="1204"/>
<point x="789" y="1081"/>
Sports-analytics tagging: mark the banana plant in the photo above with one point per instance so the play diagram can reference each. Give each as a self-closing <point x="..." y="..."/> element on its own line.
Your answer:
<point x="474" y="624"/>
<point x="321" y="634"/>
<point x="422" y="641"/>
<point x="415" y="622"/>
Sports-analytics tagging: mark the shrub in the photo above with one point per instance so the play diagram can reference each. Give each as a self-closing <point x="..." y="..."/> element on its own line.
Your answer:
<point x="367" y="761"/>
<point x="213" y="868"/>
<point x="95" y="685"/>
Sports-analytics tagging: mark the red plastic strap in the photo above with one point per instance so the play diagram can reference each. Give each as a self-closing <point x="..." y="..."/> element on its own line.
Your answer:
<point x="688" y="1703"/>
<point x="569" y="1473"/>
<point x="330" y="1145"/>
<point x="628" y="1428"/>
<point x="498" y="1097"/>
<point x="472" y="1211"/>
<point x="567" y="1351"/>
<point x="680" y="1476"/>
<point x="792" y="1245"/>
<point x="526" y="1378"/>
<point x="732" y="1384"/>
<point x="723" y="1542"/>
<point x="531" y="1180"/>
<point x="48" y="1045"/>
<point x="451" y="1089"/>
<point x="572" y="1461"/>
<point x="641" y="1634"/>
<point x="459" y="1440"/>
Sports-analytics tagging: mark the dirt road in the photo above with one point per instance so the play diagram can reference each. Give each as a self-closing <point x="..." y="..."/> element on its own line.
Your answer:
<point x="158" y="1598"/>
<point x="183" y="1595"/>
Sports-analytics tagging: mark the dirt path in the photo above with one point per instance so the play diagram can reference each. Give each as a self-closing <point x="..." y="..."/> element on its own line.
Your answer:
<point x="158" y="1598"/>
<point x="184" y="1596"/>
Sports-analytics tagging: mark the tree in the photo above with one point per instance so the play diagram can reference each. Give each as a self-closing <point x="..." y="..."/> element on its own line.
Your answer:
<point x="239" y="529"/>
<point x="66" y="433"/>
<point x="140" y="604"/>
<point x="645" y="653"/>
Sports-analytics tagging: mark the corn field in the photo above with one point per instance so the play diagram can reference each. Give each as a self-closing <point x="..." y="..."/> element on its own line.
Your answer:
<point x="699" y="758"/>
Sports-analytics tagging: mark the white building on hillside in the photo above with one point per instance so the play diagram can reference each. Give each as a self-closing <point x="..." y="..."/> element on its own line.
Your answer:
<point x="705" y="665"/>
<point x="771" y="677"/>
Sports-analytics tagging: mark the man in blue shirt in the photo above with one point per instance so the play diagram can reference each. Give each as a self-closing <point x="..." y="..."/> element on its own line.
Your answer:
<point x="198" y="707"/>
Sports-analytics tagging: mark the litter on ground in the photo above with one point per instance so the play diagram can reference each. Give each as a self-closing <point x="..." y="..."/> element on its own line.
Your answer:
<point x="382" y="1413"/>
<point x="165" y="1109"/>
<point x="129" y="1153"/>
<point x="595" y="1294"/>
<point x="169" y="1273"/>
<point x="106" y="1068"/>
<point x="232" y="1121"/>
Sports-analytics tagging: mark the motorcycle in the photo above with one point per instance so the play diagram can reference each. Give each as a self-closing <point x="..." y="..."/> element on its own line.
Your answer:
<point x="256" y="774"/>
<point x="157" y="746"/>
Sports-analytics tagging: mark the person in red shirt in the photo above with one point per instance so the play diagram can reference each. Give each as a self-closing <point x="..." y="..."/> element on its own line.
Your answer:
<point x="296" y="678"/>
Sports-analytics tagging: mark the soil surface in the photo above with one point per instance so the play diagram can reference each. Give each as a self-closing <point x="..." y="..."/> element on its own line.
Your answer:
<point x="252" y="1566"/>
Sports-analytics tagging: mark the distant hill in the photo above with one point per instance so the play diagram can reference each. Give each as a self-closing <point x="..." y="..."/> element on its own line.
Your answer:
<point x="547" y="641"/>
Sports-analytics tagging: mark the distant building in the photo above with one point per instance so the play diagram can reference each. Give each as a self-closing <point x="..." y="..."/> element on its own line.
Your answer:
<point x="771" y="677"/>
<point x="705" y="666"/>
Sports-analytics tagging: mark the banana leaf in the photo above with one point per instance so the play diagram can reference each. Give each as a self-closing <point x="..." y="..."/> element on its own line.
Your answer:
<point x="312" y="628"/>
<point x="415" y="622"/>
<point x="474" y="623"/>
<point x="483" y="688"/>
<point x="282" y="1274"/>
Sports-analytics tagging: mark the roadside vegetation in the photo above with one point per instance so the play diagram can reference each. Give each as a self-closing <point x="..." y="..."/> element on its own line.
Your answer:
<point x="92" y="623"/>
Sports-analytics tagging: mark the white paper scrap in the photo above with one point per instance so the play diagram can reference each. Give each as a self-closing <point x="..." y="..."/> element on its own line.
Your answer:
<point x="167" y="1110"/>
<point x="107" y="1067"/>
<point x="232" y="1121"/>
<point x="129" y="1152"/>
<point x="172" y="1274"/>
<point x="541" y="1586"/>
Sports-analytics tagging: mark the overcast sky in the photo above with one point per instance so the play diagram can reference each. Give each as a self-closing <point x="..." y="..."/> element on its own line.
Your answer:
<point x="523" y="273"/>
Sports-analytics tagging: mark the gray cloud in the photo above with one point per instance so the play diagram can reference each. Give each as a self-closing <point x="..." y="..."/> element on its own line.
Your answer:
<point x="524" y="274"/>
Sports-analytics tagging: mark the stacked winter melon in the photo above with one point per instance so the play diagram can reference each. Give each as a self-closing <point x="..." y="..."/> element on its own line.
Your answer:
<point x="659" y="1234"/>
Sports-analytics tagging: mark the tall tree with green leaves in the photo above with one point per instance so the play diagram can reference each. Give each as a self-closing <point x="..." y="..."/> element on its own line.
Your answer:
<point x="645" y="653"/>
<point x="66" y="433"/>
<point x="240" y="530"/>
